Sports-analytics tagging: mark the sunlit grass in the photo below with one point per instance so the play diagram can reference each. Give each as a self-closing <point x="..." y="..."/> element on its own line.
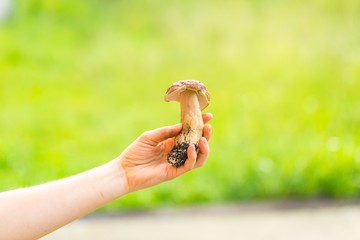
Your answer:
<point x="80" y="81"/>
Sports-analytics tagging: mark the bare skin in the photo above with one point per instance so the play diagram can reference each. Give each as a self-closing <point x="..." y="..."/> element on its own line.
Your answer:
<point x="164" y="171"/>
<point x="33" y="212"/>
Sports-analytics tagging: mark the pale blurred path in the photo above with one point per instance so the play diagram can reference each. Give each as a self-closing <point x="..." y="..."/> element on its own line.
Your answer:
<point x="264" y="221"/>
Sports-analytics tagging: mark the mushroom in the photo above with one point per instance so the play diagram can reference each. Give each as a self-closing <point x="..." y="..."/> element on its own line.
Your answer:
<point x="193" y="97"/>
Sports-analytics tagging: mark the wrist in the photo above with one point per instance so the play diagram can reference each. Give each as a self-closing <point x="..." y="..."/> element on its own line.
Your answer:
<point x="116" y="180"/>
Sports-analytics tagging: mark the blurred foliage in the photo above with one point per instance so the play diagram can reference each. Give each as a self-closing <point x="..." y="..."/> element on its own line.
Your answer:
<point x="80" y="80"/>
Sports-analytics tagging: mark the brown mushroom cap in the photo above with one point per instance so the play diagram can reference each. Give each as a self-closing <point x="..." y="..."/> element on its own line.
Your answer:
<point x="174" y="91"/>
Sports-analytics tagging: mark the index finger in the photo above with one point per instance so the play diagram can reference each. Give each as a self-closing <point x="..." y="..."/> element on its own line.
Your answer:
<point x="207" y="117"/>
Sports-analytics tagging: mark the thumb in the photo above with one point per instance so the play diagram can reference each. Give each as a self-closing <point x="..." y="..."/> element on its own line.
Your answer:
<point x="161" y="134"/>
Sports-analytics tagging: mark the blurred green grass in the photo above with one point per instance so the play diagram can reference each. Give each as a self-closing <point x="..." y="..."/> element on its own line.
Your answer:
<point x="80" y="80"/>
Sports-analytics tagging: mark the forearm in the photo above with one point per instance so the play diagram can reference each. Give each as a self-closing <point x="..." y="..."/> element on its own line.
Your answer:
<point x="33" y="212"/>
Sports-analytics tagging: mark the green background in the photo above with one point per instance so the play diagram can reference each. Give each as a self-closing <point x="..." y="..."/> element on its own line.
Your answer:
<point x="80" y="80"/>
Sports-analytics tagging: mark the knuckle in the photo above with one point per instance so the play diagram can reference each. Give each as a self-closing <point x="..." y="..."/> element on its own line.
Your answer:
<point x="201" y="164"/>
<point x="146" y="134"/>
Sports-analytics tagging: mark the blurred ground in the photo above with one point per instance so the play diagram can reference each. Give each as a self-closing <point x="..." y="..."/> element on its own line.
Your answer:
<point x="277" y="220"/>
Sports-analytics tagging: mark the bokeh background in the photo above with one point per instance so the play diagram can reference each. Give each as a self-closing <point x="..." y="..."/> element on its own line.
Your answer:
<point x="80" y="80"/>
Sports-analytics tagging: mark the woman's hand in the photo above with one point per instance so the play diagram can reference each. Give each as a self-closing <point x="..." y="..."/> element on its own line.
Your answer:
<point x="145" y="164"/>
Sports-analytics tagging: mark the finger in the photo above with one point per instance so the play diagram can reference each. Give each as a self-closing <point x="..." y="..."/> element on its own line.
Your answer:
<point x="190" y="162"/>
<point x="207" y="117"/>
<point x="160" y="134"/>
<point x="203" y="152"/>
<point x="207" y="132"/>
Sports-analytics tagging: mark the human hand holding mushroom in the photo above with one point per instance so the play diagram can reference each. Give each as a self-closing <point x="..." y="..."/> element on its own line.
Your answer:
<point x="145" y="164"/>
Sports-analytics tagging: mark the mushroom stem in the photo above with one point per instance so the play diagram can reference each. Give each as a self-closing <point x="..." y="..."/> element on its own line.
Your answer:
<point x="192" y="128"/>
